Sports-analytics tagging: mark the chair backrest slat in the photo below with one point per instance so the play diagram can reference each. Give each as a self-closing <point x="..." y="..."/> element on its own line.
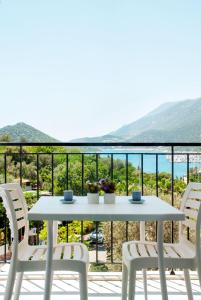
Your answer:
<point x="17" y="204"/>
<point x="19" y="214"/>
<point x="16" y="209"/>
<point x="21" y="223"/>
<point x="14" y="194"/>
<point x="191" y="213"/>
<point x="195" y="194"/>
<point x="190" y="205"/>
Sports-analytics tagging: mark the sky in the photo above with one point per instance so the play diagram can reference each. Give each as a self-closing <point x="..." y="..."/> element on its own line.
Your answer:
<point x="86" y="67"/>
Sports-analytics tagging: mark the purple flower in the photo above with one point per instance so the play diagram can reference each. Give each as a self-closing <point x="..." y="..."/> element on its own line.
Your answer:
<point x="106" y="188"/>
<point x="107" y="185"/>
<point x="102" y="181"/>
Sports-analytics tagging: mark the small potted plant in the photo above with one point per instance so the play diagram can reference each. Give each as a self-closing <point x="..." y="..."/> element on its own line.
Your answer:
<point x="108" y="186"/>
<point x="93" y="189"/>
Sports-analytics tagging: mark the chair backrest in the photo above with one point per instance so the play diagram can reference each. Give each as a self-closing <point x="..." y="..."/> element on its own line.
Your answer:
<point x="16" y="211"/>
<point x="191" y="206"/>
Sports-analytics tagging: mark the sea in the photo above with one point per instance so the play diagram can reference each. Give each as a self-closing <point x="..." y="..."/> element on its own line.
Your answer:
<point x="149" y="161"/>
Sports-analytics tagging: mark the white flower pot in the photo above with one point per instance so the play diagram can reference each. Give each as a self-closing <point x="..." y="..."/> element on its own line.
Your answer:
<point x="109" y="198"/>
<point x="93" y="198"/>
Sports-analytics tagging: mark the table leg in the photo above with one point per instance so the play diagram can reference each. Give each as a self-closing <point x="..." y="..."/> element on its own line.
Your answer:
<point x="49" y="272"/>
<point x="161" y="261"/>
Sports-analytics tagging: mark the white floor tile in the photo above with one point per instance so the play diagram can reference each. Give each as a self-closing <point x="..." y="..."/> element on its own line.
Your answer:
<point x="101" y="287"/>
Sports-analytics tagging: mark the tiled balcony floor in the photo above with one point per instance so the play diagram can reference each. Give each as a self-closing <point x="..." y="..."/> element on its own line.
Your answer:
<point x="101" y="286"/>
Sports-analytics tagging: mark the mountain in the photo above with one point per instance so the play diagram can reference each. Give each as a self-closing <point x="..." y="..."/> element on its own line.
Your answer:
<point x="22" y="132"/>
<point x="171" y="122"/>
<point x="99" y="139"/>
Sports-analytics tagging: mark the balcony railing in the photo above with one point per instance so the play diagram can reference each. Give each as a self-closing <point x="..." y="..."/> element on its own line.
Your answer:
<point x="162" y="169"/>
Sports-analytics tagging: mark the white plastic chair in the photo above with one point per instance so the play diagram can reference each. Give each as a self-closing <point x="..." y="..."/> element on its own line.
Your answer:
<point x="68" y="256"/>
<point x="142" y="255"/>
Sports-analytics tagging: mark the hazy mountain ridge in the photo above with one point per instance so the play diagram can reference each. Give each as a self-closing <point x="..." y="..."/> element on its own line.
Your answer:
<point x="144" y="123"/>
<point x="100" y="139"/>
<point x="166" y="118"/>
<point x="22" y="132"/>
<point x="171" y="122"/>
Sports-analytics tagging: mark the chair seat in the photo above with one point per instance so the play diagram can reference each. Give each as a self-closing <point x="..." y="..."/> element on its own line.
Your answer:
<point x="71" y="251"/>
<point x="145" y="254"/>
<point x="72" y="257"/>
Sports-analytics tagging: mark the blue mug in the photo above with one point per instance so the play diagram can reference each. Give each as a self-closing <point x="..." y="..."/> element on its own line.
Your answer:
<point x="68" y="195"/>
<point x="136" y="195"/>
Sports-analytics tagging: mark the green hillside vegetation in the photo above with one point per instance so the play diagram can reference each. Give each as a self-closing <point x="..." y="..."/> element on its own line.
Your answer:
<point x="22" y="132"/>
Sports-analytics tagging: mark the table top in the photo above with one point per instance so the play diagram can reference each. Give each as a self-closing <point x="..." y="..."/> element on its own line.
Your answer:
<point x="153" y="209"/>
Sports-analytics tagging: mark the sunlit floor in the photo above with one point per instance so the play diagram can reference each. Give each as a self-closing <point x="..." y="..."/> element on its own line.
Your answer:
<point x="101" y="286"/>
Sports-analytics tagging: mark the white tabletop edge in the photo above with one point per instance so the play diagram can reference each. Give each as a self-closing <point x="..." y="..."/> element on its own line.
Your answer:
<point x="154" y="209"/>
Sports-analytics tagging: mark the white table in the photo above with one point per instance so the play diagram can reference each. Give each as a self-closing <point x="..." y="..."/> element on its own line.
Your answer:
<point x="51" y="209"/>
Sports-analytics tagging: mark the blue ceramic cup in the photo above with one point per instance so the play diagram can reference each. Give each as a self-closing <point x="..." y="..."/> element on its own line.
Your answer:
<point x="68" y="195"/>
<point x="136" y="195"/>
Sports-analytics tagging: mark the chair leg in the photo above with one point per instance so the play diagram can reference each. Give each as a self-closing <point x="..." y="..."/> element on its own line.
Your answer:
<point x="145" y="283"/>
<point x="18" y="286"/>
<point x="124" y="282"/>
<point x="131" y="287"/>
<point x="83" y="286"/>
<point x="188" y="284"/>
<point x="199" y="274"/>
<point x="10" y="282"/>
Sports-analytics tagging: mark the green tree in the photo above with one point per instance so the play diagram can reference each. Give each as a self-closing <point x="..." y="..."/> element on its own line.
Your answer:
<point x="5" y="138"/>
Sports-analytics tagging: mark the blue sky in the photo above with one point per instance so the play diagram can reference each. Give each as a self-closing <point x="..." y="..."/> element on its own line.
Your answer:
<point x="84" y="68"/>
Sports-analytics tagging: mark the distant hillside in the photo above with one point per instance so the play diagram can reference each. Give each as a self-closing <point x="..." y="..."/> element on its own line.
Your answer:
<point x="170" y="122"/>
<point x="22" y="132"/>
<point x="100" y="139"/>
